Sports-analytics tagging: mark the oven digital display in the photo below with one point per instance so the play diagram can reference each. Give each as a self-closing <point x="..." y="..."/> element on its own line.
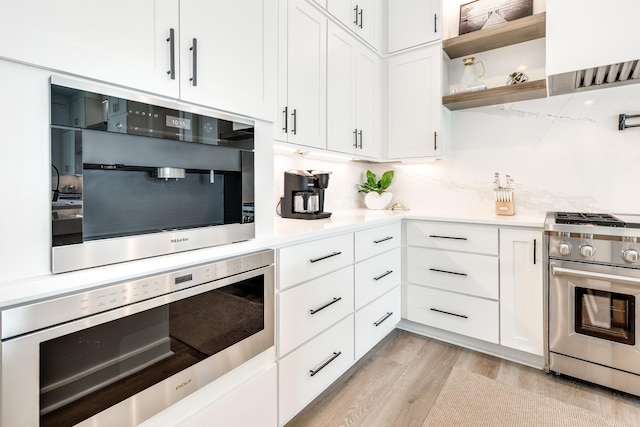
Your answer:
<point x="178" y="122"/>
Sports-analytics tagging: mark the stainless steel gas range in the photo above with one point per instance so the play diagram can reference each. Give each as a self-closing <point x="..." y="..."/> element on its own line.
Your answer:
<point x="592" y="291"/>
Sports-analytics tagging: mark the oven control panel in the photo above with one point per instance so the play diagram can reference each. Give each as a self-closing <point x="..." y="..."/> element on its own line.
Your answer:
<point x="23" y="319"/>
<point x="595" y="250"/>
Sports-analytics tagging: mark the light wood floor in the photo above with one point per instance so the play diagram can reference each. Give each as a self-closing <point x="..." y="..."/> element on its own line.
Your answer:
<point x="398" y="381"/>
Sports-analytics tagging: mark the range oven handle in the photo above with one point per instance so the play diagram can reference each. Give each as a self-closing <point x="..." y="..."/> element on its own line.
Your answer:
<point x="560" y="271"/>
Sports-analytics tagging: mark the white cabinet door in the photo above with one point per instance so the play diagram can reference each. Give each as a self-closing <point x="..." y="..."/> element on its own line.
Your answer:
<point x="414" y="103"/>
<point x="582" y="34"/>
<point x="360" y="16"/>
<point x="352" y="95"/>
<point x="302" y="96"/>
<point x="236" y="45"/>
<point x="521" y="290"/>
<point x="412" y="23"/>
<point x="376" y="320"/>
<point x="121" y="42"/>
<point x="308" y="371"/>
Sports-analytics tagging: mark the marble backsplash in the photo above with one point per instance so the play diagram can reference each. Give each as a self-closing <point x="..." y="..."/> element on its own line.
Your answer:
<point x="564" y="153"/>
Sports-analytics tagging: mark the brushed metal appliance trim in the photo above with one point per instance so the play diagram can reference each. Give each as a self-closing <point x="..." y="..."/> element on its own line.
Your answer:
<point x="110" y="251"/>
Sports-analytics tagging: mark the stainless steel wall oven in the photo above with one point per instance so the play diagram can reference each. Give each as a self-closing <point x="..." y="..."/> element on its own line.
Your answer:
<point x="116" y="355"/>
<point x="134" y="177"/>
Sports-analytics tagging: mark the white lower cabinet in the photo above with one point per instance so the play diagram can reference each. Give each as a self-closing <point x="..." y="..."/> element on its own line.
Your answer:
<point x="376" y="320"/>
<point x="309" y="309"/>
<point x="461" y="314"/>
<point x="306" y="372"/>
<point x="521" y="290"/>
<point x="231" y="409"/>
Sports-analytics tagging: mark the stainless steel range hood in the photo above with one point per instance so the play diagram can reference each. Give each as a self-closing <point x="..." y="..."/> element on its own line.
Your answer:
<point x="595" y="78"/>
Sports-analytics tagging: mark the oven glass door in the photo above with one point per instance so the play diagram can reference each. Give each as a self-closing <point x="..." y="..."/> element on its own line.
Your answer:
<point x="90" y="370"/>
<point x="606" y="315"/>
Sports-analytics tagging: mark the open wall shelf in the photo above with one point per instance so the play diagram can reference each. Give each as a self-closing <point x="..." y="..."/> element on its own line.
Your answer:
<point x="511" y="33"/>
<point x="499" y="95"/>
<point x="514" y="32"/>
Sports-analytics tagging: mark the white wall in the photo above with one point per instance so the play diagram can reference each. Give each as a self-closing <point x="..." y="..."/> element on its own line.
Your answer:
<point x="565" y="153"/>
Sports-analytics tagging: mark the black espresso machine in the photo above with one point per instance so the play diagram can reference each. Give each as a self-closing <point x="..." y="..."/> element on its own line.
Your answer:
<point x="304" y="194"/>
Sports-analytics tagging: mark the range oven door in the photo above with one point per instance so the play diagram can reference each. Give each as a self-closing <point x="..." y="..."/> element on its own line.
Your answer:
<point x="593" y="313"/>
<point x="122" y="366"/>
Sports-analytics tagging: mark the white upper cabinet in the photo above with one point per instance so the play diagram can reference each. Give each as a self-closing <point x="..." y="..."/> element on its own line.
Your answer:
<point x="414" y="94"/>
<point x="302" y="74"/>
<point x="148" y="45"/>
<point x="352" y="95"/>
<point x="412" y="23"/>
<point x="360" y="16"/>
<point x="233" y="66"/>
<point x="590" y="33"/>
<point x="122" y="42"/>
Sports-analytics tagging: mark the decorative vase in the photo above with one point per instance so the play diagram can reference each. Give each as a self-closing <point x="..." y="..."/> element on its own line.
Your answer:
<point x="374" y="200"/>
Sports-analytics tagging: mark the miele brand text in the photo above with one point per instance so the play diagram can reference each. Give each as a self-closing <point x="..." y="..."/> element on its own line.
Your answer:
<point x="183" y="239"/>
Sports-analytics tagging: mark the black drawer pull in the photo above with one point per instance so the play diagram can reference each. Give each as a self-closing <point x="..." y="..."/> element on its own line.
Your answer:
<point x="383" y="240"/>
<point x="324" y="257"/>
<point x="450" y="314"/>
<point x="382" y="319"/>
<point x="435" y="236"/>
<point x="386" y="273"/>
<point x="333" y="357"/>
<point x="333" y="301"/>
<point x="448" y="272"/>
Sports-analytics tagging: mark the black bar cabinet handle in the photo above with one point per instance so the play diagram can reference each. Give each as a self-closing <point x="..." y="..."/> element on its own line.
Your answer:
<point x="435" y="236"/>
<point x="324" y="257"/>
<point x="435" y="141"/>
<point x="333" y="301"/>
<point x="449" y="313"/>
<point x="435" y="22"/>
<point x="333" y="357"/>
<point x="447" y="271"/>
<point x="194" y="53"/>
<point x="294" y="115"/>
<point x="534" y="251"/>
<point x="383" y="240"/>
<point x="355" y="138"/>
<point x="385" y="274"/>
<point x="172" y="54"/>
<point x="356" y="11"/>
<point x="360" y="134"/>
<point x="360" y="13"/>
<point x="286" y="119"/>
<point x="382" y="319"/>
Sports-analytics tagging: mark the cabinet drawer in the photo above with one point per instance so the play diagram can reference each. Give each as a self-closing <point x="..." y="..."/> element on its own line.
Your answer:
<point x="453" y="236"/>
<point x="471" y="274"/>
<point x="462" y="314"/>
<point x="376" y="320"/>
<point x="377" y="240"/>
<point x="306" y="372"/>
<point x="308" y="309"/>
<point x="376" y="276"/>
<point x="306" y="261"/>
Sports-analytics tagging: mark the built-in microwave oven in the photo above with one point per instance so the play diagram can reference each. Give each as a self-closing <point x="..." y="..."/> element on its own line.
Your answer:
<point x="135" y="177"/>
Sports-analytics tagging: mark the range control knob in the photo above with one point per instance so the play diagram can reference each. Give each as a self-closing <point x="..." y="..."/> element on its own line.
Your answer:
<point x="587" y="251"/>
<point x="630" y="255"/>
<point x="564" y="248"/>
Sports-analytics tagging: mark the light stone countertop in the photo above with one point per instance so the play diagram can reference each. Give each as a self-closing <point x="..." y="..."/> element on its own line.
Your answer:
<point x="285" y="232"/>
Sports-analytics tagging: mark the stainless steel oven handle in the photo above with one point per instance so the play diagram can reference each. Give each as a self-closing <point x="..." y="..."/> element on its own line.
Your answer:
<point x="559" y="271"/>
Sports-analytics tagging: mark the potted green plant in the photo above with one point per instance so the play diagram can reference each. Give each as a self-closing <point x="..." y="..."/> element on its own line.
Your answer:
<point x="376" y="194"/>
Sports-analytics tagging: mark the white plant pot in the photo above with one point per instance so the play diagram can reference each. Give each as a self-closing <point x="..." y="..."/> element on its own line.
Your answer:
<point x="374" y="200"/>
